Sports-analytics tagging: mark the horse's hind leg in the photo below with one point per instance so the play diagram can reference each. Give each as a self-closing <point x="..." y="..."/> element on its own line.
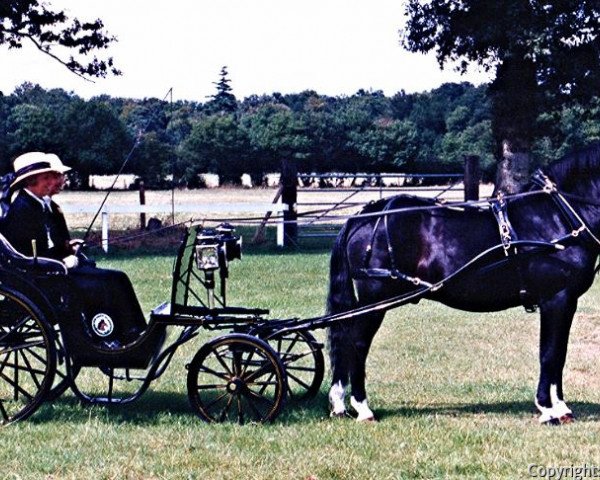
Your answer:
<point x="556" y="319"/>
<point x="364" y="331"/>
<point x="349" y="344"/>
<point x="340" y="352"/>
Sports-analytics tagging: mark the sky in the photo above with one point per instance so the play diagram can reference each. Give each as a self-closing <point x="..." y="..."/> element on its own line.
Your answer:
<point x="334" y="47"/>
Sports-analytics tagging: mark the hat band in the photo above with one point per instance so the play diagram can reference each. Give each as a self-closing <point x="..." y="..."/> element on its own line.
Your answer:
<point x="31" y="168"/>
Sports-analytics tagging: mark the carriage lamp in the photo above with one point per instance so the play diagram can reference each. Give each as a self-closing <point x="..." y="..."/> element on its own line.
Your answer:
<point x="207" y="256"/>
<point x="214" y="249"/>
<point x="232" y="244"/>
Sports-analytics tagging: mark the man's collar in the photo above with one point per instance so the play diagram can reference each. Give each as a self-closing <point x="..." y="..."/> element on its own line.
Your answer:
<point x="33" y="195"/>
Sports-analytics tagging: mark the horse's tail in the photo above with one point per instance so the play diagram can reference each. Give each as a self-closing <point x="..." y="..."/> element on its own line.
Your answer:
<point x="341" y="298"/>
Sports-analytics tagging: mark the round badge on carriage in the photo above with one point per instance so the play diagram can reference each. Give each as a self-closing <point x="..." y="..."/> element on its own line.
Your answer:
<point x="102" y="325"/>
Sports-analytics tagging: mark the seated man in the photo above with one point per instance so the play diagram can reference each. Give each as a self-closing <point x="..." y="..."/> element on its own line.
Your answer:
<point x="112" y="312"/>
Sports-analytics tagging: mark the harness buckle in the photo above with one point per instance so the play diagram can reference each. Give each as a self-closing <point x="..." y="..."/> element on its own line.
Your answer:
<point x="548" y="186"/>
<point x="575" y="233"/>
<point x="507" y="234"/>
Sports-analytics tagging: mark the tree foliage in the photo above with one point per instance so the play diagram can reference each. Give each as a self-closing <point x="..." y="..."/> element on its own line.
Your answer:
<point x="560" y="38"/>
<point x="224" y="100"/>
<point x="427" y="132"/>
<point x="543" y="53"/>
<point x="54" y="34"/>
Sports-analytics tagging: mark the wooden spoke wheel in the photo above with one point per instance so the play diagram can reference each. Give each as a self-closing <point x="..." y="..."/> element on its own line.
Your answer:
<point x="236" y="378"/>
<point x="302" y="357"/>
<point x="27" y="356"/>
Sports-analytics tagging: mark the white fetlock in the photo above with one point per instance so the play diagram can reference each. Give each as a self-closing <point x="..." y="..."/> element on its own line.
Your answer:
<point x="546" y="415"/>
<point x="558" y="411"/>
<point x="337" y="394"/>
<point x="362" y="409"/>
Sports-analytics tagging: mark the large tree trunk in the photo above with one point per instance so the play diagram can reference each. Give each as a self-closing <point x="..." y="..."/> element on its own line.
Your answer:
<point x="514" y="113"/>
<point x="513" y="169"/>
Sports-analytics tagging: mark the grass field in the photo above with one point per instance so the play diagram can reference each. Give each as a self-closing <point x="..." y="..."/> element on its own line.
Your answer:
<point x="453" y="393"/>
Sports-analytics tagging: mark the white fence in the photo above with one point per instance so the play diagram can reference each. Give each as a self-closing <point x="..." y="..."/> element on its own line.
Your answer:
<point x="107" y="210"/>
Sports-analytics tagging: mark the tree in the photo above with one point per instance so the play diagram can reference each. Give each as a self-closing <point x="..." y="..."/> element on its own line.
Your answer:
<point x="276" y="134"/>
<point x="218" y="145"/>
<point x="152" y="161"/>
<point x="52" y="31"/>
<point x="4" y="143"/>
<point x="540" y="50"/>
<point x="388" y="145"/>
<point x="95" y="140"/>
<point x="223" y="101"/>
<point x="32" y="127"/>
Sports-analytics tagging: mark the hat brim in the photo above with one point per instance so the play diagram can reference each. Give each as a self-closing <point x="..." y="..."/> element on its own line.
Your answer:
<point x="61" y="169"/>
<point x="24" y="176"/>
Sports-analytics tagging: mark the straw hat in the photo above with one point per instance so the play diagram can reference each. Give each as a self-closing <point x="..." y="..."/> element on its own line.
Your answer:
<point x="56" y="164"/>
<point x="34" y="163"/>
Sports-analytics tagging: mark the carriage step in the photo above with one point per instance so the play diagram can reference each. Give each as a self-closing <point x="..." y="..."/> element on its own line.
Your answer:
<point x="163" y="309"/>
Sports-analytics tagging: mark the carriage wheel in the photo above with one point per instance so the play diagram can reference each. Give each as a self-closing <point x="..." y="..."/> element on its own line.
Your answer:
<point x="302" y="357"/>
<point x="27" y="357"/>
<point x="236" y="378"/>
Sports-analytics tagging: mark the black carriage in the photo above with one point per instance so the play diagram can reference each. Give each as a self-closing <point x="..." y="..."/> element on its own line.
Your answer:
<point x="47" y="347"/>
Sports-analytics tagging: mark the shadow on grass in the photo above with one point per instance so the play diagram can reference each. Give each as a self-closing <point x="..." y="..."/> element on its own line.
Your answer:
<point x="317" y="408"/>
<point x="156" y="407"/>
<point x="150" y="409"/>
<point x="584" y="411"/>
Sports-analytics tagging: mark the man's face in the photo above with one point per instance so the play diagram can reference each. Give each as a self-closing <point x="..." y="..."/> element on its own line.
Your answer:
<point x="42" y="184"/>
<point x="57" y="183"/>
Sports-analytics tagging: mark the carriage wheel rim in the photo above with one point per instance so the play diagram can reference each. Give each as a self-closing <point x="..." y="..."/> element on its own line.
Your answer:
<point x="27" y="357"/>
<point x="236" y="378"/>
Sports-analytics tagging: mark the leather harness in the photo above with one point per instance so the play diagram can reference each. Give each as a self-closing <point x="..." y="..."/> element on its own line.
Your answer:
<point x="508" y="238"/>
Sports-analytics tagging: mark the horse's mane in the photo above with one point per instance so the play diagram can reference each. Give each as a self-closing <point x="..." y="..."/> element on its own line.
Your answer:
<point x="398" y="201"/>
<point x="580" y="164"/>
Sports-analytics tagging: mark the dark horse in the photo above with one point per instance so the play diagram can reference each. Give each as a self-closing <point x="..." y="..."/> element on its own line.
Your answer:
<point x="540" y="250"/>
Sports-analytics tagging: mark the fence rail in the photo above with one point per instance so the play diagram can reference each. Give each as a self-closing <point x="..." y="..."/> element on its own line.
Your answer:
<point x="107" y="210"/>
<point x="375" y="187"/>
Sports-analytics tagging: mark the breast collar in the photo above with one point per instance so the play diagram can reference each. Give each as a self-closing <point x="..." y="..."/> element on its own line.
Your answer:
<point x="576" y="222"/>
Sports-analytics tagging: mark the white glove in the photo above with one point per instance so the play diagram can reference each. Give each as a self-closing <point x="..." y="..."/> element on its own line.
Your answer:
<point x="76" y="245"/>
<point x="71" y="261"/>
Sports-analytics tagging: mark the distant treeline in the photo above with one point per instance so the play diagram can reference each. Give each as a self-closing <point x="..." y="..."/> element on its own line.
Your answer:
<point x="426" y="132"/>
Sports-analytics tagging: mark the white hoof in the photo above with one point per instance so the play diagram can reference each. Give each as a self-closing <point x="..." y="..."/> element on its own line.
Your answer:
<point x="362" y="409"/>
<point x="558" y="413"/>
<point x="336" y="400"/>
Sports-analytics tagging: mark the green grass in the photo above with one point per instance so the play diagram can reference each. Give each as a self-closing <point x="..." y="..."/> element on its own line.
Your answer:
<point x="453" y="392"/>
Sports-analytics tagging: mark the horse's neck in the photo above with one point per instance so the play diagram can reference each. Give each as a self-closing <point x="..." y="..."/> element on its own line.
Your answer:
<point x="584" y="201"/>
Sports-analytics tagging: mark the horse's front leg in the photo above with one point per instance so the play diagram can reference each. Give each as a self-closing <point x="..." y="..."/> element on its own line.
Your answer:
<point x="556" y="316"/>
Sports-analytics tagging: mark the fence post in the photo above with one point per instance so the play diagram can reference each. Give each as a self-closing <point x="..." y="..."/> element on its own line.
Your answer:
<point x="105" y="231"/>
<point x="472" y="177"/>
<point x="289" y="197"/>
<point x="280" y="226"/>
<point x="142" y="202"/>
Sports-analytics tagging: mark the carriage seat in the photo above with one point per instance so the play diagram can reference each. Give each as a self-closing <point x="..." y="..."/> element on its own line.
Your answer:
<point x="14" y="261"/>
